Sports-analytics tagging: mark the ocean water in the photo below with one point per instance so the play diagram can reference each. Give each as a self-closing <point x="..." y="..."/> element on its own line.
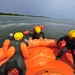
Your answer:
<point x="53" y="28"/>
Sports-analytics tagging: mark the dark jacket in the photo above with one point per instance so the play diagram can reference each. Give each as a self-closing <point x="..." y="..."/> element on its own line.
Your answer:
<point x="37" y="36"/>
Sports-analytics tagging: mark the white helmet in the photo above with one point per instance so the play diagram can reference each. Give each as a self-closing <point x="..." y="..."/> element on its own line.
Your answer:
<point x="11" y="34"/>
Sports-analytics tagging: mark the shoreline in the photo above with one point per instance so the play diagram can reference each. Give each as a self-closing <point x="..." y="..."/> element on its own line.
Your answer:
<point x="11" y="14"/>
<point x="25" y="16"/>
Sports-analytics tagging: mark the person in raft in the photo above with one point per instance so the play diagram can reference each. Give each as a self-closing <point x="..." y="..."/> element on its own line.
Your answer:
<point x="70" y="44"/>
<point x="17" y="60"/>
<point x="38" y="32"/>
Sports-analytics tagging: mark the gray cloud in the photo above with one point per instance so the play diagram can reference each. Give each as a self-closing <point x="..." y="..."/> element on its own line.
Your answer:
<point x="50" y="8"/>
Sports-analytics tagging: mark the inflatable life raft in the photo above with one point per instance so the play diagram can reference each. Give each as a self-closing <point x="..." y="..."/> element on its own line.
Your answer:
<point x="40" y="59"/>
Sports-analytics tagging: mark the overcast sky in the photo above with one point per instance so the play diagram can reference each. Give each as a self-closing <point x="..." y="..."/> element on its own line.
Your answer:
<point x="48" y="8"/>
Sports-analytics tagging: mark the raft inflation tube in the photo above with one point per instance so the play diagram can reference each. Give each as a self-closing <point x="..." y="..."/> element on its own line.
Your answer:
<point x="6" y="52"/>
<point x="40" y="58"/>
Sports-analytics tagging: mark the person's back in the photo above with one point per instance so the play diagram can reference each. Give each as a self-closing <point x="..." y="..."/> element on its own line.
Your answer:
<point x="16" y="44"/>
<point x="17" y="60"/>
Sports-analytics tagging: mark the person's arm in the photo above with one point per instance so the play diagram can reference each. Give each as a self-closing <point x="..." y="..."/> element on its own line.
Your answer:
<point x="42" y="33"/>
<point x="24" y="50"/>
<point x="61" y="38"/>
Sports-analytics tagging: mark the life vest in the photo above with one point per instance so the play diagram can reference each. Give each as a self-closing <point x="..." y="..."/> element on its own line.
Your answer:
<point x="6" y="52"/>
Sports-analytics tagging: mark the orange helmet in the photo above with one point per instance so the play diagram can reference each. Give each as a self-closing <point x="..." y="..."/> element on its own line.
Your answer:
<point x="37" y="29"/>
<point x="26" y="32"/>
<point x="42" y="27"/>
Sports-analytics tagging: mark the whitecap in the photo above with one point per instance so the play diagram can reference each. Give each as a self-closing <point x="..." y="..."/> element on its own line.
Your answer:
<point x="9" y="21"/>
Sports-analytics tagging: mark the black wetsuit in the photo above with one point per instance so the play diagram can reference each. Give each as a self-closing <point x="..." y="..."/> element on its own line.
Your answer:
<point x="17" y="61"/>
<point x="37" y="36"/>
<point x="70" y="44"/>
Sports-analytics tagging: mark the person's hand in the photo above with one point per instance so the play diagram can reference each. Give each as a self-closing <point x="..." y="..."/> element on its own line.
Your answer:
<point x="40" y="38"/>
<point x="25" y="39"/>
<point x="30" y="40"/>
<point x="45" y="39"/>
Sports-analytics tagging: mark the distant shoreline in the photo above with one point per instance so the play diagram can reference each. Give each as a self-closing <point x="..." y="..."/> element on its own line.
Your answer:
<point x="9" y="14"/>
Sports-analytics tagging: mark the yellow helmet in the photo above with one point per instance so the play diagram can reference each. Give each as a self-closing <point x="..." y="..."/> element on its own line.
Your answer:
<point x="71" y="34"/>
<point x="37" y="29"/>
<point x="18" y="35"/>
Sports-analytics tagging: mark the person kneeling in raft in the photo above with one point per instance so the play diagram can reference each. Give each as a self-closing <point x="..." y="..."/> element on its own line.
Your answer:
<point x="17" y="58"/>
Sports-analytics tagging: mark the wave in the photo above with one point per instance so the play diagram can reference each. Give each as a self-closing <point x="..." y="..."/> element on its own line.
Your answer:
<point x="16" y="24"/>
<point x="27" y="24"/>
<point x="59" y="24"/>
<point x="9" y="21"/>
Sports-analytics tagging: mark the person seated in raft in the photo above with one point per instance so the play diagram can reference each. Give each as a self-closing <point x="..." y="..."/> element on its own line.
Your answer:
<point x="38" y="32"/>
<point x="17" y="60"/>
<point x="70" y="44"/>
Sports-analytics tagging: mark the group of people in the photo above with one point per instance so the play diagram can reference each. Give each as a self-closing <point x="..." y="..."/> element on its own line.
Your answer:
<point x="35" y="34"/>
<point x="17" y="60"/>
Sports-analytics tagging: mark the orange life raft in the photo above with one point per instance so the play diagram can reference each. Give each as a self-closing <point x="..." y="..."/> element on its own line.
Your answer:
<point x="40" y="58"/>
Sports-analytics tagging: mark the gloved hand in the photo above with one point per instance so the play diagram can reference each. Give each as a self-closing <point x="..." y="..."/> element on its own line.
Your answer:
<point x="30" y="41"/>
<point x="6" y="52"/>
